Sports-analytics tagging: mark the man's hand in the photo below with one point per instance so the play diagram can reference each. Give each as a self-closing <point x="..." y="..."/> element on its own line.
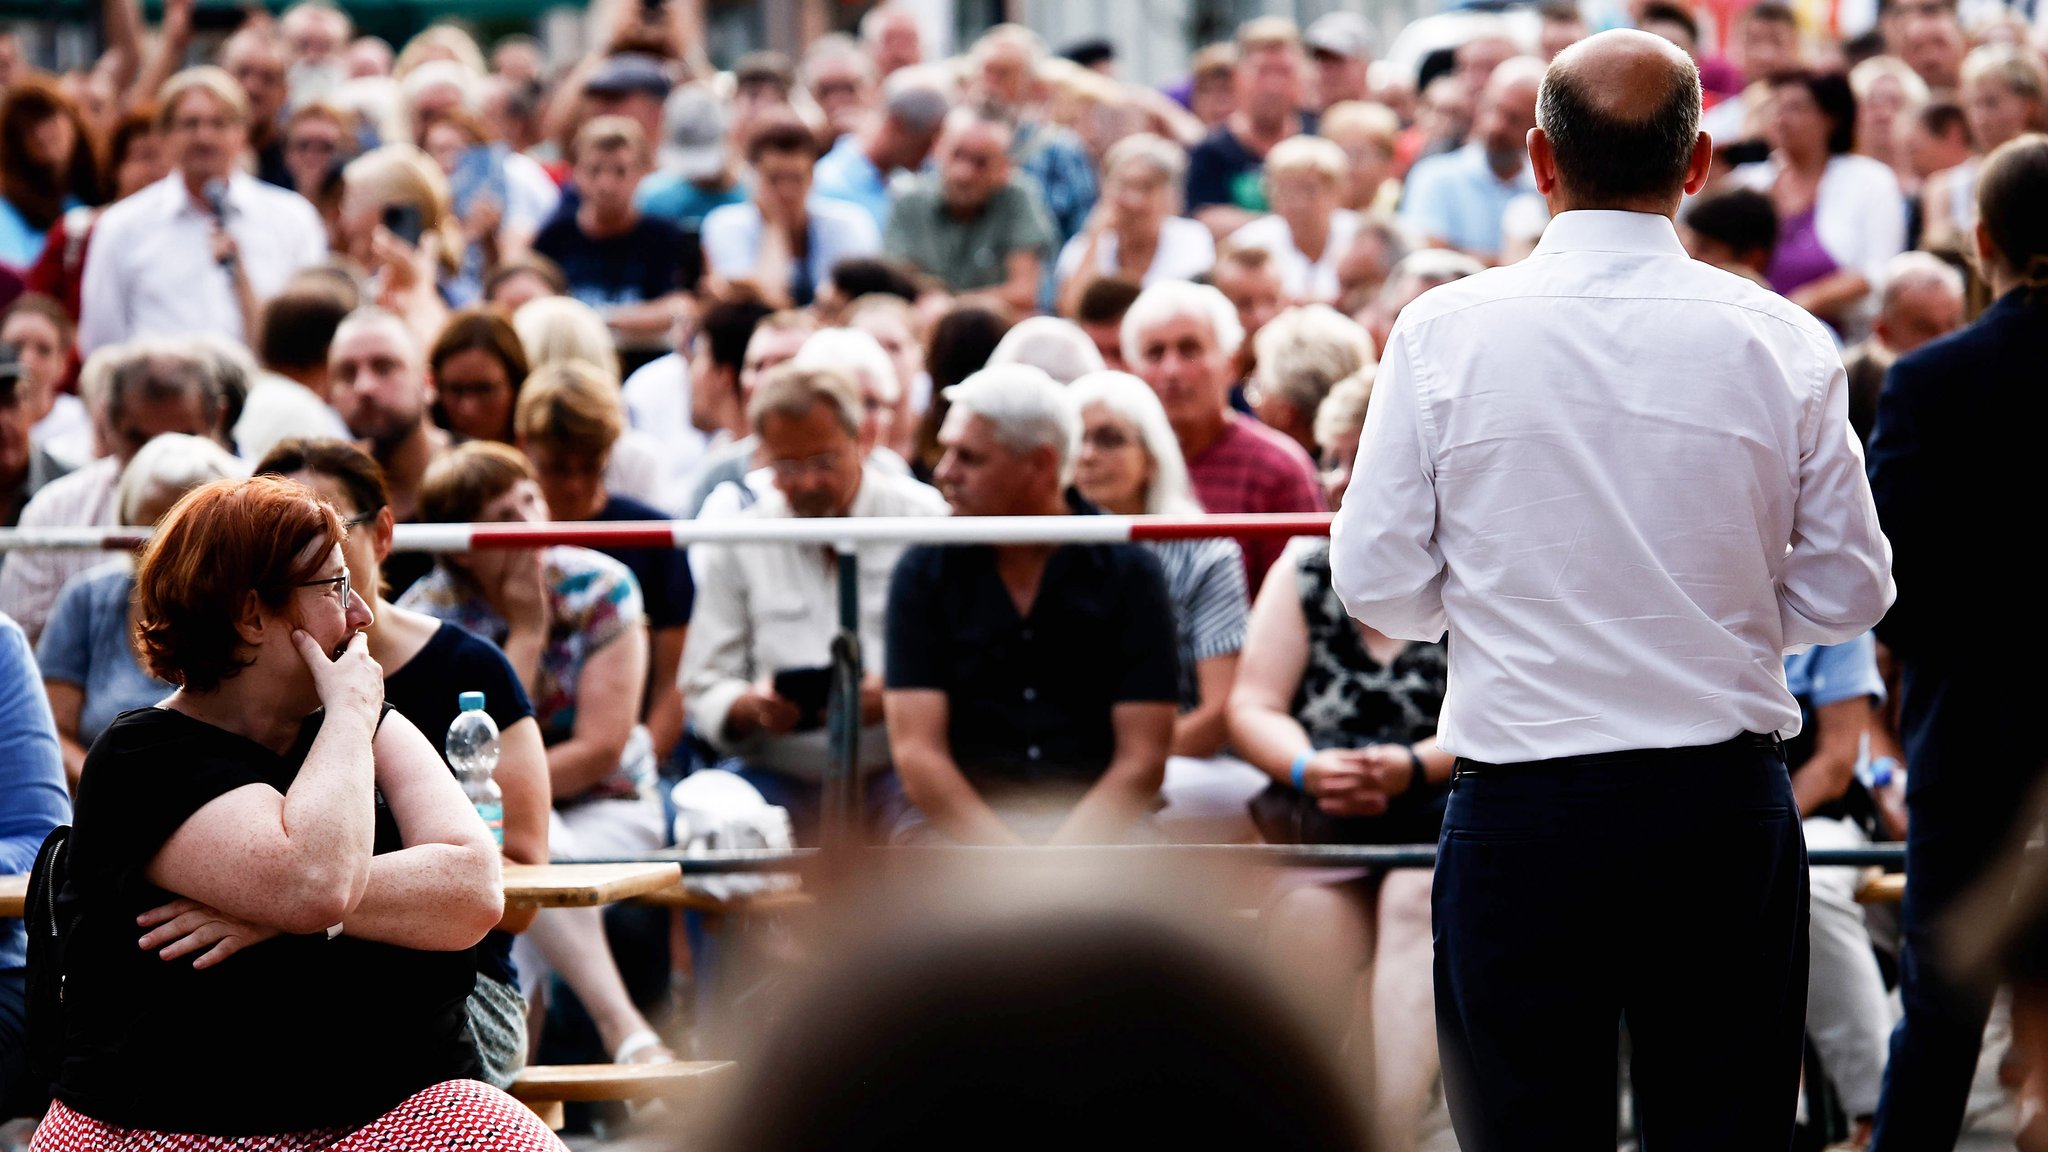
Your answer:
<point x="183" y="927"/>
<point x="1390" y="766"/>
<point x="759" y="709"/>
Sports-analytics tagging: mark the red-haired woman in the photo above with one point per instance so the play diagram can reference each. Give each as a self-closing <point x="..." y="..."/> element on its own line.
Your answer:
<point x="277" y="883"/>
<point x="46" y="166"/>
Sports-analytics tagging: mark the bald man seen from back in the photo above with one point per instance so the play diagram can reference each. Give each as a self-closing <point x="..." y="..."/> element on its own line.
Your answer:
<point x="1625" y="483"/>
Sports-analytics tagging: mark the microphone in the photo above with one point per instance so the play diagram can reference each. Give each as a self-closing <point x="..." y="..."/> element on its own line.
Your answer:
<point x="217" y="201"/>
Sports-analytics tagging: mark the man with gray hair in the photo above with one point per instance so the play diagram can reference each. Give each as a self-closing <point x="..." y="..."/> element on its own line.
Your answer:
<point x="761" y="628"/>
<point x="864" y="163"/>
<point x="152" y="387"/>
<point x="1031" y="688"/>
<point x="1182" y="340"/>
<point x="1624" y="482"/>
<point x="1922" y="301"/>
<point x="973" y="226"/>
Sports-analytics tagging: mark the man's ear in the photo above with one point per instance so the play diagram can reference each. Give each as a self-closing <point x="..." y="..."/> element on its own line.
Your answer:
<point x="1542" y="161"/>
<point x="1700" y="166"/>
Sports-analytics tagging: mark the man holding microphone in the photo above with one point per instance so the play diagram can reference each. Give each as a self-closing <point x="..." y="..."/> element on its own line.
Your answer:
<point x="1625" y="483"/>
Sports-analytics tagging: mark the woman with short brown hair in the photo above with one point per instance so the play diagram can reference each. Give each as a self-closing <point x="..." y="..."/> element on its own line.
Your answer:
<point x="274" y="806"/>
<point x="47" y="166"/>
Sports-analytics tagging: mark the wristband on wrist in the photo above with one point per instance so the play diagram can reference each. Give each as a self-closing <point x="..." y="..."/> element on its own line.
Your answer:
<point x="1299" y="772"/>
<point x="1418" y="778"/>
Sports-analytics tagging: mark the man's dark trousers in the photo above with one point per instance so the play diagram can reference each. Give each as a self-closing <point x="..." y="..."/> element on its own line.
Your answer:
<point x="1664" y="891"/>
<point x="1973" y="756"/>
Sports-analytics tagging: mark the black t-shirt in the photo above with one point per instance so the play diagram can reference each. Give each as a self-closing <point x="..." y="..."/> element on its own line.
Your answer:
<point x="427" y="690"/>
<point x="1221" y="170"/>
<point x="292" y="1034"/>
<point x="663" y="573"/>
<point x="1029" y="697"/>
<point x="645" y="262"/>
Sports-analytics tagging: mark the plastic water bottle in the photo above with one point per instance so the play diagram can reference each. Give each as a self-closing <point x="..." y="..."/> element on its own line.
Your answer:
<point x="472" y="749"/>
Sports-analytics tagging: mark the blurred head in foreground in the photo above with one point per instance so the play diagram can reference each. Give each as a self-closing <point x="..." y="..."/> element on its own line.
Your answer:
<point x="1043" y="1028"/>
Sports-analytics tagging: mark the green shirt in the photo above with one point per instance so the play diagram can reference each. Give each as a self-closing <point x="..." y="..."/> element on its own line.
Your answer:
<point x="967" y="254"/>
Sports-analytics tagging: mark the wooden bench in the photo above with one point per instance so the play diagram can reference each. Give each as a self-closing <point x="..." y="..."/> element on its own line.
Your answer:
<point x="1883" y="888"/>
<point x="546" y="1087"/>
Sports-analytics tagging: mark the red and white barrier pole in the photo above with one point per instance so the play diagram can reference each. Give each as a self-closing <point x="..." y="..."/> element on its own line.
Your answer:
<point x="831" y="531"/>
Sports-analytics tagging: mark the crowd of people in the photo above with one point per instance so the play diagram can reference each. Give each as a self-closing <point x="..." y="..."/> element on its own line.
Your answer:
<point x="446" y="284"/>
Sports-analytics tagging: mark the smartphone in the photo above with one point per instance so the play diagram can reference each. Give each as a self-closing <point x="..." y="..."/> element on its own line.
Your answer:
<point x="405" y="222"/>
<point x="479" y="172"/>
<point x="1745" y="152"/>
<point x="809" y="689"/>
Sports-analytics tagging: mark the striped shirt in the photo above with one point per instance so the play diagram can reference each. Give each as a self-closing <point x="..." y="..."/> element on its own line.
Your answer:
<point x="1205" y="583"/>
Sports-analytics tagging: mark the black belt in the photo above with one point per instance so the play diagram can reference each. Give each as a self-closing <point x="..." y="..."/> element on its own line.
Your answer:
<point x="1753" y="741"/>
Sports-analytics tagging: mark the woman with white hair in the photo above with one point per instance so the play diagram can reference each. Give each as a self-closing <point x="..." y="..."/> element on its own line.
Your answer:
<point x="1136" y="231"/>
<point x="1308" y="232"/>
<point x="1054" y="346"/>
<point x="1130" y="465"/>
<point x="87" y="651"/>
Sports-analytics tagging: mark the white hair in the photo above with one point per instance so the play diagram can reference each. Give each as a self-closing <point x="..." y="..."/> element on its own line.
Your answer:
<point x="1304" y="351"/>
<point x="436" y="74"/>
<point x="852" y="350"/>
<point x="871" y="24"/>
<point x="1176" y="299"/>
<point x="553" y="328"/>
<point x="1342" y="413"/>
<point x="1910" y="270"/>
<point x="1026" y="408"/>
<point x="1131" y="400"/>
<point x="171" y="464"/>
<point x="1054" y="346"/>
<point x="1156" y="152"/>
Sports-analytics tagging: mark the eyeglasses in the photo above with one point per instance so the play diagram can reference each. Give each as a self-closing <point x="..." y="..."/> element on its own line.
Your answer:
<point x="1106" y="440"/>
<point x="823" y="464"/>
<point x="340" y="582"/>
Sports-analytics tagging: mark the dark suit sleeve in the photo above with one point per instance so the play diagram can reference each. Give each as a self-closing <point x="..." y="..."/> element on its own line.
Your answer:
<point x="1907" y="474"/>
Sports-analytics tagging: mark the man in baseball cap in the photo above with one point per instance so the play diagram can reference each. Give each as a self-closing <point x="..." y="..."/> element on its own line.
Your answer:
<point x="1342" y="45"/>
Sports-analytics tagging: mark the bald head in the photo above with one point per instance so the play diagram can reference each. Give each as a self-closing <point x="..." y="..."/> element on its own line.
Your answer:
<point x="1620" y="114"/>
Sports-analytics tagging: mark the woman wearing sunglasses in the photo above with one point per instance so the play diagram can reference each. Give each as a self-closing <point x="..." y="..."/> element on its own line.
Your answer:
<point x="277" y="883"/>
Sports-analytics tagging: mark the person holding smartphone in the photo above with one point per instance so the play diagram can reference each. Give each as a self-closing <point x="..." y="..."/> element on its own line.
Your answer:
<point x="756" y="661"/>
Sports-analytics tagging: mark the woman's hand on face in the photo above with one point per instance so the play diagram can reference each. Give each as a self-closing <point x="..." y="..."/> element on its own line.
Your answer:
<point x="350" y="682"/>
<point x="184" y="927"/>
<point x="522" y="591"/>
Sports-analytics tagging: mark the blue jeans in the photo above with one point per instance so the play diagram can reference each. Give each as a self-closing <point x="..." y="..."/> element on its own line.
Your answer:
<point x="15" y="1097"/>
<point x="1569" y="900"/>
<point x="1972" y="760"/>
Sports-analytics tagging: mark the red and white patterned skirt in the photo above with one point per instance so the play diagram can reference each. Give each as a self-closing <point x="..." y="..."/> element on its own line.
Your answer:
<point x="457" y="1114"/>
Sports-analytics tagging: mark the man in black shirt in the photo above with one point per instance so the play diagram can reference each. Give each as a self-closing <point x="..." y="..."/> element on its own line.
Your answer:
<point x="627" y="265"/>
<point x="1031" y="689"/>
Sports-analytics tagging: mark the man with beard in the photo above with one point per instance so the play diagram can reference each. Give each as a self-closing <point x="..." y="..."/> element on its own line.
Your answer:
<point x="1456" y="200"/>
<point x="761" y="630"/>
<point x="378" y="380"/>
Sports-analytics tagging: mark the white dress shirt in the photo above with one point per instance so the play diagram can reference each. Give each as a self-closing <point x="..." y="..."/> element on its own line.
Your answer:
<point x="658" y="405"/>
<point x="1185" y="249"/>
<point x="1625" y="482"/>
<point x="150" y="269"/>
<point x="764" y="608"/>
<point x="1303" y="279"/>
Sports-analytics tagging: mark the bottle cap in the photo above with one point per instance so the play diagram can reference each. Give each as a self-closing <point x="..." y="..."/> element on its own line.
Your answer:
<point x="471" y="701"/>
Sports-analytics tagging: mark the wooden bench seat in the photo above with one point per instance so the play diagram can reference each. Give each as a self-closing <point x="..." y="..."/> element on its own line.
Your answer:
<point x="546" y="1087"/>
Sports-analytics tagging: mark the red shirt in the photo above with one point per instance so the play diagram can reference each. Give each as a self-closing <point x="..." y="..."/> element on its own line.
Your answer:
<point x="1251" y="468"/>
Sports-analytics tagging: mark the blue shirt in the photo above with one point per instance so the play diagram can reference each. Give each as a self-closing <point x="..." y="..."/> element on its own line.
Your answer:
<point x="1457" y="198"/>
<point x="732" y="242"/>
<point x="21" y="242"/>
<point x="31" y="774"/>
<point x="846" y="173"/>
<point x="87" y="644"/>
<point x="1832" y="673"/>
<point x="682" y="203"/>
